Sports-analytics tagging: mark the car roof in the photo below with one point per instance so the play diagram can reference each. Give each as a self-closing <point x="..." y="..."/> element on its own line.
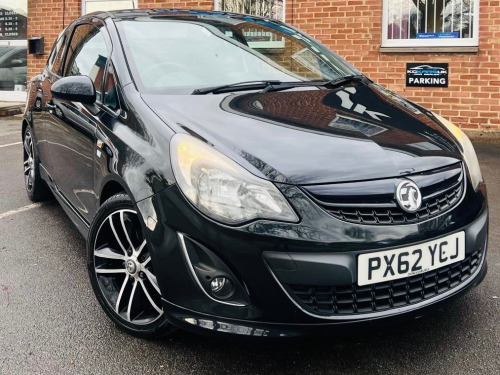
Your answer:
<point x="170" y="13"/>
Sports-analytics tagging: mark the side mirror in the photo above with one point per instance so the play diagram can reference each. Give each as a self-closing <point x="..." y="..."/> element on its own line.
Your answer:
<point x="74" y="88"/>
<point x="16" y="63"/>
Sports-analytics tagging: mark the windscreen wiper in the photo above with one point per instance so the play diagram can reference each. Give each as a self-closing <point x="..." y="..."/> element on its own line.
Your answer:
<point x="240" y="86"/>
<point x="343" y="80"/>
<point x="329" y="84"/>
<point x="268" y="86"/>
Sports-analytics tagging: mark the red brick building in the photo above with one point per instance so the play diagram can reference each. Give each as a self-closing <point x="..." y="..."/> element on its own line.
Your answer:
<point x="379" y="37"/>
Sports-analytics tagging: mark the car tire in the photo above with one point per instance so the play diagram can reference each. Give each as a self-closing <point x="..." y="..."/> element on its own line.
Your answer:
<point x="121" y="271"/>
<point x="36" y="187"/>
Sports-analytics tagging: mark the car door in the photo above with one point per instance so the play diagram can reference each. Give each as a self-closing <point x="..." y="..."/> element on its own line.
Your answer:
<point x="41" y="91"/>
<point x="13" y="68"/>
<point x="72" y="126"/>
<point x="5" y="56"/>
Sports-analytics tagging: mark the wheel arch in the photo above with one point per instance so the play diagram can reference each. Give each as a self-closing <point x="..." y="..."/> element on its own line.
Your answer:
<point x="23" y="127"/>
<point x="113" y="185"/>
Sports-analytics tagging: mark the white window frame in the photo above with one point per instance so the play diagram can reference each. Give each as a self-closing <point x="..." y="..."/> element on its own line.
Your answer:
<point x="216" y="7"/>
<point x="411" y="43"/>
<point x="84" y="4"/>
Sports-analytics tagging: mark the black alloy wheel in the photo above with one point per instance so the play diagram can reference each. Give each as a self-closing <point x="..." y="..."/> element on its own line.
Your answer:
<point x="121" y="271"/>
<point x="36" y="188"/>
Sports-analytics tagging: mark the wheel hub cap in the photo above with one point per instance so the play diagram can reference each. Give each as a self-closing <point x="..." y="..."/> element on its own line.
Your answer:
<point x="131" y="267"/>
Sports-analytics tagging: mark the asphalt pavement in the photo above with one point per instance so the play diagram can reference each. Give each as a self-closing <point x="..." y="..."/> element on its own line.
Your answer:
<point x="51" y="323"/>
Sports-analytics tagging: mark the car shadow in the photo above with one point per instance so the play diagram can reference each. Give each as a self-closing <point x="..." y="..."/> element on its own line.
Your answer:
<point x="427" y="341"/>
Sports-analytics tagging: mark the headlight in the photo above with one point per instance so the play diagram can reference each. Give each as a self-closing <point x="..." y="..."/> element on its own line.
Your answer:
<point x="221" y="188"/>
<point x="467" y="151"/>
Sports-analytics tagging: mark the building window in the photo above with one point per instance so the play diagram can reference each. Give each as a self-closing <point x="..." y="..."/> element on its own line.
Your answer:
<point x="264" y="8"/>
<point x="89" y="6"/>
<point x="13" y="49"/>
<point x="256" y="38"/>
<point x="430" y="23"/>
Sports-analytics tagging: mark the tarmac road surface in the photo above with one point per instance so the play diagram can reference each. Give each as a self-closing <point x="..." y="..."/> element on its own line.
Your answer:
<point x="51" y="323"/>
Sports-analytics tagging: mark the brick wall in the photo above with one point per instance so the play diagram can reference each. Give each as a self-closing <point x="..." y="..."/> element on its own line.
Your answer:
<point x="353" y="29"/>
<point x="48" y="18"/>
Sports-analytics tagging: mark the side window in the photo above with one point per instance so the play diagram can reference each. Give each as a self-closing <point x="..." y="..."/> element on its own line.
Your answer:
<point x="87" y="55"/>
<point x="56" y="56"/>
<point x="21" y="55"/>
<point x="53" y="53"/>
<point x="111" y="90"/>
<point x="18" y="59"/>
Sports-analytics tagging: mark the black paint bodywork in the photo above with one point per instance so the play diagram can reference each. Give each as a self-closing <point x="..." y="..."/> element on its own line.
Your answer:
<point x="294" y="138"/>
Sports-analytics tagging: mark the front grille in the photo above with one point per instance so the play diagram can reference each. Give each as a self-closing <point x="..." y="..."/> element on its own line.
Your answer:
<point x="396" y="215"/>
<point x="354" y="299"/>
<point x="373" y="202"/>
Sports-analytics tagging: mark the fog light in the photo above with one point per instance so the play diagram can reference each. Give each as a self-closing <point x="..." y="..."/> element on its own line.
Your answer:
<point x="221" y="287"/>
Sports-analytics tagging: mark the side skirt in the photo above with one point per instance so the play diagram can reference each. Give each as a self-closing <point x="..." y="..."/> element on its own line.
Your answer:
<point x="80" y="223"/>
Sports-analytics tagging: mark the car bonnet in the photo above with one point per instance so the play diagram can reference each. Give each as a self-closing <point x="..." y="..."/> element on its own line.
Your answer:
<point x="312" y="136"/>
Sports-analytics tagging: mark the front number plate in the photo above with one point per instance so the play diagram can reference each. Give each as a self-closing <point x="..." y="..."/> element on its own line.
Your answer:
<point x="381" y="266"/>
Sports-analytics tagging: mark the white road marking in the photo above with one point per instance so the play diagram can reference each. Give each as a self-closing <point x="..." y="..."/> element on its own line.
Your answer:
<point x="11" y="144"/>
<point x="25" y="208"/>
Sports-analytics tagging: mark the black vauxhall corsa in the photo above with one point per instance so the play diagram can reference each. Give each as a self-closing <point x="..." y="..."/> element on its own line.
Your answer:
<point x="231" y="174"/>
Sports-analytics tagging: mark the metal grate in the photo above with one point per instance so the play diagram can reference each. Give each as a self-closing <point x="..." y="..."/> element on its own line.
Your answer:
<point x="373" y="202"/>
<point x="353" y="299"/>
<point x="395" y="215"/>
<point x="410" y="19"/>
<point x="263" y="8"/>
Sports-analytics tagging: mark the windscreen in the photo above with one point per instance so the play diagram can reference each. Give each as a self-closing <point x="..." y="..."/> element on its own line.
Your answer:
<point x="166" y="53"/>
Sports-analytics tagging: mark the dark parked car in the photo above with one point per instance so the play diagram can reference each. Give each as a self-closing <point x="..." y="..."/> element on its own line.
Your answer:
<point x="13" y="67"/>
<point x="231" y="174"/>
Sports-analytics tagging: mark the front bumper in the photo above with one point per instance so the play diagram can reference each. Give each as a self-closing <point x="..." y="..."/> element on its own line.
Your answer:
<point x="202" y="323"/>
<point x="270" y="310"/>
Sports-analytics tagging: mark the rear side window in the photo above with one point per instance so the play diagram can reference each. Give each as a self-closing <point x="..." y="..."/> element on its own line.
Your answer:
<point x="87" y="55"/>
<point x="111" y="90"/>
<point x="56" y="56"/>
